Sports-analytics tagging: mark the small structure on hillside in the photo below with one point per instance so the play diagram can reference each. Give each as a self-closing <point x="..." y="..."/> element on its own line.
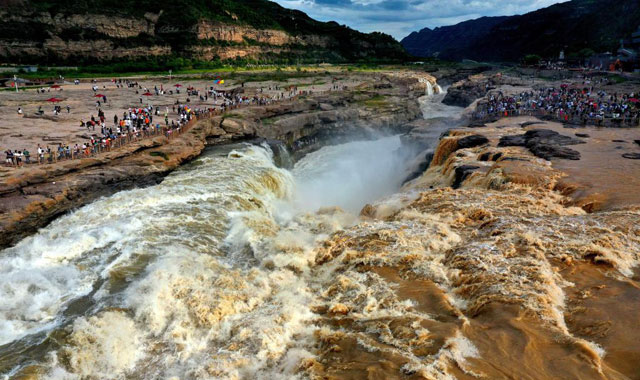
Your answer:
<point x="629" y="52"/>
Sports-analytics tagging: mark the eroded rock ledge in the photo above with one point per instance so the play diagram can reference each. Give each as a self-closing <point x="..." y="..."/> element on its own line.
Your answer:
<point x="30" y="199"/>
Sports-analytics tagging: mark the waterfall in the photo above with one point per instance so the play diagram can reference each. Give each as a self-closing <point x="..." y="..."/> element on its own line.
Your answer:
<point x="429" y="89"/>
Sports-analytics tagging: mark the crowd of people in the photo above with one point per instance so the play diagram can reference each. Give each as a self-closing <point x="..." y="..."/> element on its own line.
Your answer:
<point x="137" y="123"/>
<point x="570" y="104"/>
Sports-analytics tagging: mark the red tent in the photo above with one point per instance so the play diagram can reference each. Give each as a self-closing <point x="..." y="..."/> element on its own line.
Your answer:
<point x="147" y="94"/>
<point x="54" y="100"/>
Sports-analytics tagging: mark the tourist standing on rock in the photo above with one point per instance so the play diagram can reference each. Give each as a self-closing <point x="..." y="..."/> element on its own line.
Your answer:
<point x="9" y="158"/>
<point x="18" y="156"/>
<point x="27" y="156"/>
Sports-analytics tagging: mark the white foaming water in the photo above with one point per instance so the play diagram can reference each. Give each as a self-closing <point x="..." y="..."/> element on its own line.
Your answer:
<point x="432" y="90"/>
<point x="215" y="259"/>
<point x="432" y="106"/>
<point x="206" y="275"/>
<point x="349" y="175"/>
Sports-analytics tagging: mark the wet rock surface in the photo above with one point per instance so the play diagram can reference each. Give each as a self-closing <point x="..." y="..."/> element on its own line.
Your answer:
<point x="544" y="143"/>
<point x="461" y="173"/>
<point x="464" y="94"/>
<point x="471" y="141"/>
<point x="467" y="91"/>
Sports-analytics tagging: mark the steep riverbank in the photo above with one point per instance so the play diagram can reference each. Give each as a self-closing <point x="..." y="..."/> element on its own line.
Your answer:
<point x="32" y="198"/>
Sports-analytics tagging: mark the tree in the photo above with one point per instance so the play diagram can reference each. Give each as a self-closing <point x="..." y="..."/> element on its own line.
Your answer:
<point x="532" y="59"/>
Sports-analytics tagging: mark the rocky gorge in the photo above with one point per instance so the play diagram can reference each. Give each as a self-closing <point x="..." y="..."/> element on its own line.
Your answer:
<point x="498" y="256"/>
<point x="386" y="104"/>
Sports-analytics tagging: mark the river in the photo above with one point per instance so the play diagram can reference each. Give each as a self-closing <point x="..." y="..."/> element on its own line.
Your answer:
<point x="207" y="274"/>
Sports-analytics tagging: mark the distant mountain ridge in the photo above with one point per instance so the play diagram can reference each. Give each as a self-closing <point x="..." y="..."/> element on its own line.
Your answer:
<point x="571" y="26"/>
<point x="85" y="31"/>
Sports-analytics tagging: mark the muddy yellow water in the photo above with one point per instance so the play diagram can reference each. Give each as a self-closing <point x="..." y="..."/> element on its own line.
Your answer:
<point x="601" y="170"/>
<point x="233" y="268"/>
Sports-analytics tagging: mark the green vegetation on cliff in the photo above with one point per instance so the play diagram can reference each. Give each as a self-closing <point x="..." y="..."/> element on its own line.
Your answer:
<point x="87" y="32"/>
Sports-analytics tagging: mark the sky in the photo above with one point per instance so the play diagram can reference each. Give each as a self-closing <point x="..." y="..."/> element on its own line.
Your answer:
<point x="401" y="17"/>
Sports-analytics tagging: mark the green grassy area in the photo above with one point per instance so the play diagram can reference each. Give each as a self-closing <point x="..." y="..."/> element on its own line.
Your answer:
<point x="159" y="154"/>
<point x="617" y="78"/>
<point x="244" y="72"/>
<point x="375" y="101"/>
<point x="234" y="115"/>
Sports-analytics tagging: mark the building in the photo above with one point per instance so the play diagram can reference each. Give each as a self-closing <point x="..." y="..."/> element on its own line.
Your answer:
<point x="601" y="61"/>
<point x="629" y="53"/>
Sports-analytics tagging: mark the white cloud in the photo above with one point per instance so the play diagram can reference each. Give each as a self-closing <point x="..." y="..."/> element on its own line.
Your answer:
<point x="401" y="17"/>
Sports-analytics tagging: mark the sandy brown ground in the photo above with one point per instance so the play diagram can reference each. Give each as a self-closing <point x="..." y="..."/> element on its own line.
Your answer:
<point x="26" y="132"/>
<point x="601" y="174"/>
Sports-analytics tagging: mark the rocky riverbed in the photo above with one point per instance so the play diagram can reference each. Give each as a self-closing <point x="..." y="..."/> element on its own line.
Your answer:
<point x="485" y="266"/>
<point x="510" y="248"/>
<point x="378" y="103"/>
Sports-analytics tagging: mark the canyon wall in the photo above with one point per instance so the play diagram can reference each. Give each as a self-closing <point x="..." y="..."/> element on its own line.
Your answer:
<point x="37" y="32"/>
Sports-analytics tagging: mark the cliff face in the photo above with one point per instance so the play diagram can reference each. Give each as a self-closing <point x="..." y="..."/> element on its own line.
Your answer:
<point x="570" y="26"/>
<point x="39" y="32"/>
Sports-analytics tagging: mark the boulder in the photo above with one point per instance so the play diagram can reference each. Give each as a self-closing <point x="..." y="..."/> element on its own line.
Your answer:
<point x="549" y="151"/>
<point x="237" y="127"/>
<point x="528" y="123"/>
<point x="325" y="107"/>
<point x="544" y="143"/>
<point x="461" y="173"/>
<point x="512" y="140"/>
<point x="632" y="156"/>
<point x="463" y="93"/>
<point x="472" y="141"/>
<point x="461" y="97"/>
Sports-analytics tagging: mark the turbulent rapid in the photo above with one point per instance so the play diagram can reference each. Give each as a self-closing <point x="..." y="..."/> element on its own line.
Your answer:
<point x="234" y="268"/>
<point x="204" y="275"/>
